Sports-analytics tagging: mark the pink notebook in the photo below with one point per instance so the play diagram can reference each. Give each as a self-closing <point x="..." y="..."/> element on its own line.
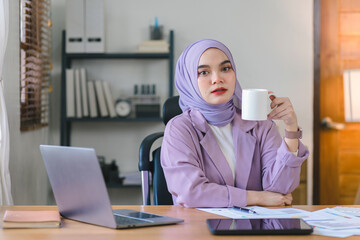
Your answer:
<point x="31" y="219"/>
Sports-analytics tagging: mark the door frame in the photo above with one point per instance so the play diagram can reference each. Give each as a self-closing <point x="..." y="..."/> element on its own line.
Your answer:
<point x="316" y="101"/>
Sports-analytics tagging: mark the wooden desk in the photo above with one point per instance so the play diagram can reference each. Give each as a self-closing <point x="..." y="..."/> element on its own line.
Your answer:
<point x="194" y="227"/>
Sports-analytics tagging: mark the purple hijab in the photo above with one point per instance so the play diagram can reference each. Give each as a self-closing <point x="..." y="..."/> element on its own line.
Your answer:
<point x="186" y="81"/>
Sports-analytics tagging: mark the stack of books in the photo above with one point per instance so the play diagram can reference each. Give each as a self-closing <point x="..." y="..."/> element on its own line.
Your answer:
<point x="86" y="98"/>
<point x="153" y="46"/>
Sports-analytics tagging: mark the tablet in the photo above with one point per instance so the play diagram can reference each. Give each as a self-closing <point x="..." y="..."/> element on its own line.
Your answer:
<point x="268" y="226"/>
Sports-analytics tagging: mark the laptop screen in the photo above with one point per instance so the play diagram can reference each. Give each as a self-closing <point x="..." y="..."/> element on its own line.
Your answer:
<point x="78" y="184"/>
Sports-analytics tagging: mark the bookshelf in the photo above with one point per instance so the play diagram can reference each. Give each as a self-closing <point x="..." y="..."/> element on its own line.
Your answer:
<point x="68" y="58"/>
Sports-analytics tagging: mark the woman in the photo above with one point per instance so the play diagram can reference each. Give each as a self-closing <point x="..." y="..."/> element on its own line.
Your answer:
<point x="213" y="158"/>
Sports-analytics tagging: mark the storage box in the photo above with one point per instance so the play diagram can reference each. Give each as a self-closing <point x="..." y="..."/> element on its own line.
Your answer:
<point x="146" y="106"/>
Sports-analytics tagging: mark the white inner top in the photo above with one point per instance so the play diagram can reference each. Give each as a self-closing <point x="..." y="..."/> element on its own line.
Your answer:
<point x="225" y="140"/>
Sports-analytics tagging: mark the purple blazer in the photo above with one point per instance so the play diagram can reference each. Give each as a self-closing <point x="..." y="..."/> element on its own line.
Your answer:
<point x="198" y="175"/>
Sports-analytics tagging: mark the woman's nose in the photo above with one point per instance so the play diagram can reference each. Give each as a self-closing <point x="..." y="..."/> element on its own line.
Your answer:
<point x="216" y="78"/>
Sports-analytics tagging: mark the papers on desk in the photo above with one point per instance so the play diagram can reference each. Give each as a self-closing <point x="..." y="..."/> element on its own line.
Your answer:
<point x="354" y="211"/>
<point x="337" y="224"/>
<point x="261" y="212"/>
<point x="334" y="222"/>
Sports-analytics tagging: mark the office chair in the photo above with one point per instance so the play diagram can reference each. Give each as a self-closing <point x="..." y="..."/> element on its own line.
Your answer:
<point x="161" y="195"/>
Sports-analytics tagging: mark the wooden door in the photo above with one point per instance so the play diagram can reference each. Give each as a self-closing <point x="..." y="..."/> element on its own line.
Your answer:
<point x="339" y="150"/>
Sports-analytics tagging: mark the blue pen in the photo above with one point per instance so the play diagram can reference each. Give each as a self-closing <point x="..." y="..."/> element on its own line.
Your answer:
<point x="156" y="24"/>
<point x="247" y="210"/>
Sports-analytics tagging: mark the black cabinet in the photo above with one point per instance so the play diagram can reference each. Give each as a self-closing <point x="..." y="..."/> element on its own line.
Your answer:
<point x="67" y="59"/>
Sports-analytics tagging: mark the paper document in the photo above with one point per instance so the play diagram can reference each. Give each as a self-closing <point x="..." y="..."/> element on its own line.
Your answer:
<point x="334" y="233"/>
<point x="354" y="211"/>
<point x="334" y="222"/>
<point x="261" y="212"/>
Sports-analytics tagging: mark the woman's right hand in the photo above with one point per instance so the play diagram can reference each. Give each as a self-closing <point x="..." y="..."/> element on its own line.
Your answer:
<point x="266" y="198"/>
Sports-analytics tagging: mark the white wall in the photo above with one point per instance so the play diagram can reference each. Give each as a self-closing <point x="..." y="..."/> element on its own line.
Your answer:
<point x="28" y="176"/>
<point x="271" y="42"/>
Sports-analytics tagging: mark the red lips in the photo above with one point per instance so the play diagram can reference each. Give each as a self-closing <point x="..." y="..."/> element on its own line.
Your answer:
<point x="219" y="91"/>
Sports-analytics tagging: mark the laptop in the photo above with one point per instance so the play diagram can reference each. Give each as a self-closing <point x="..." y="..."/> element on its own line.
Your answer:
<point x="80" y="192"/>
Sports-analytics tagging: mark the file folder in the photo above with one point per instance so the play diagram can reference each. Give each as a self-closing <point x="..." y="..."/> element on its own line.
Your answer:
<point x="84" y="92"/>
<point x="70" y="93"/>
<point x="92" y="99"/>
<point x="101" y="98"/>
<point x="94" y="26"/>
<point x="78" y="103"/>
<point x="75" y="26"/>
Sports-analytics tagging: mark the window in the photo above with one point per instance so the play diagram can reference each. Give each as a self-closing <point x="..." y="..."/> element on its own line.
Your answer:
<point x="35" y="45"/>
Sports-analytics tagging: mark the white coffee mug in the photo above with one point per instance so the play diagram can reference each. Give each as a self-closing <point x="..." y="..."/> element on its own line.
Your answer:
<point x="255" y="104"/>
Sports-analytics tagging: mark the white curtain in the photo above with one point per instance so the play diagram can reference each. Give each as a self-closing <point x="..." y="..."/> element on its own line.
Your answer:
<point x="5" y="184"/>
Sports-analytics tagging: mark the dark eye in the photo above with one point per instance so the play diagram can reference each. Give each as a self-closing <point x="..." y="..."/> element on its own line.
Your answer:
<point x="226" y="69"/>
<point x="202" y="73"/>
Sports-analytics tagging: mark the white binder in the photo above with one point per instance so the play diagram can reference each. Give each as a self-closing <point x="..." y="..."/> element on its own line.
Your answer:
<point x="92" y="99"/>
<point x="84" y="92"/>
<point x="109" y="99"/>
<point x="75" y="26"/>
<point x="94" y="26"/>
<point x="78" y="103"/>
<point x="70" y="93"/>
<point x="101" y="99"/>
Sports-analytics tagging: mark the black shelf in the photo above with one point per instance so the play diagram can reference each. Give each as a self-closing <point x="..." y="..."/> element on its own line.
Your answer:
<point x="117" y="56"/>
<point x="67" y="58"/>
<point x="115" y="119"/>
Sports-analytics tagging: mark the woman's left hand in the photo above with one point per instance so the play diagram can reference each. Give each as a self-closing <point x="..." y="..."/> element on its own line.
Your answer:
<point x="283" y="110"/>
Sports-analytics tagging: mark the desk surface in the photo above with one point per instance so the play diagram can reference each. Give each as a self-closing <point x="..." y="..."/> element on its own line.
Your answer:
<point x="193" y="227"/>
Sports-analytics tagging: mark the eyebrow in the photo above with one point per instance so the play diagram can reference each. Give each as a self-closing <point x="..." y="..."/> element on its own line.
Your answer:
<point x="207" y="66"/>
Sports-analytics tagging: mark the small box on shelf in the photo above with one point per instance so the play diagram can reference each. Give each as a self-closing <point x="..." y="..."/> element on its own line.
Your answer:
<point x="147" y="110"/>
<point x="146" y="106"/>
<point x="153" y="46"/>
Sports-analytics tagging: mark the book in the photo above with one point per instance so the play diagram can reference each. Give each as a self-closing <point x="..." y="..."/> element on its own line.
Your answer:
<point x="101" y="99"/>
<point x="152" y="50"/>
<point x="78" y="94"/>
<point x="154" y="43"/>
<point x="92" y="99"/>
<point x="70" y="93"/>
<point x="154" y="46"/>
<point x="109" y="98"/>
<point x="31" y="219"/>
<point x="84" y="93"/>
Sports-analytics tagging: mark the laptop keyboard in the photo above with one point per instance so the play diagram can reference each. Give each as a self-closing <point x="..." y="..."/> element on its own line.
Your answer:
<point x="121" y="220"/>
